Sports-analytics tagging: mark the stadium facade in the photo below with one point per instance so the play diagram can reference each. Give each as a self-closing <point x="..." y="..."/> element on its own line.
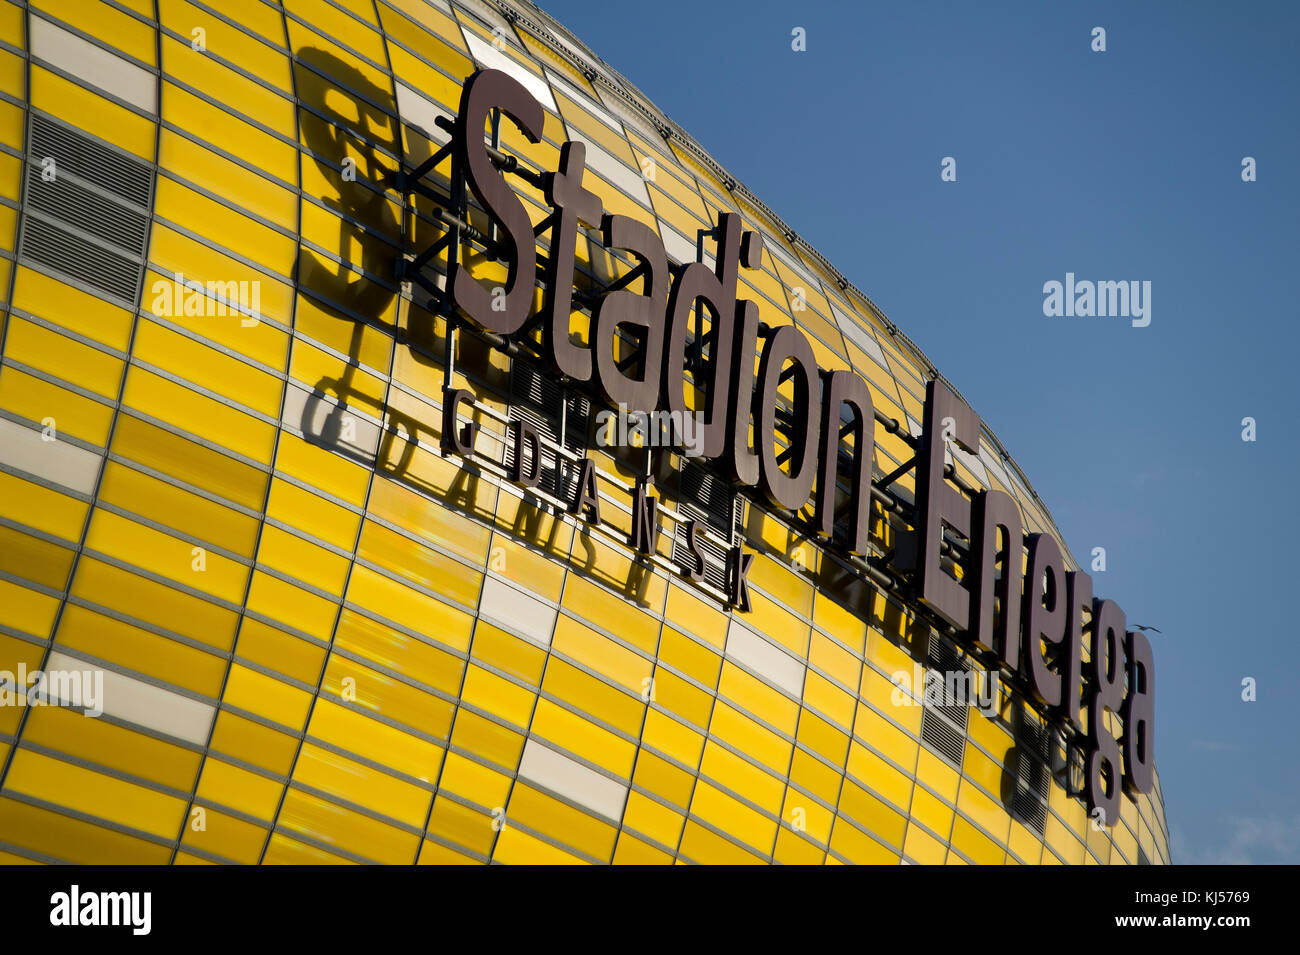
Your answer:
<point x="415" y="448"/>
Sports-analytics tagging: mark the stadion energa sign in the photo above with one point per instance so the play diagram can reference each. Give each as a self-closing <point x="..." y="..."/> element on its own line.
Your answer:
<point x="1032" y="624"/>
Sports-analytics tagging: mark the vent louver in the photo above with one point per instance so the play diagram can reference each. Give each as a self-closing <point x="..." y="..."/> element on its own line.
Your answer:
<point x="1033" y="779"/>
<point x="706" y="499"/>
<point x="91" y="161"/>
<point x="943" y="726"/>
<point x="89" y="221"/>
<point x="113" y="222"/>
<point x="542" y="402"/>
<point x="59" y="248"/>
<point x="942" y="736"/>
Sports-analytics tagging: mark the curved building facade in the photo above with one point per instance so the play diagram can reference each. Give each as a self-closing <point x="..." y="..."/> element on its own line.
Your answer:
<point x="416" y="448"/>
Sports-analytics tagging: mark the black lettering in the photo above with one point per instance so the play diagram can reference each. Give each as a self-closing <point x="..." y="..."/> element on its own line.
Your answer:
<point x="573" y="204"/>
<point x="456" y="439"/>
<point x="694" y="570"/>
<point x="738" y="563"/>
<point x="482" y="92"/>
<point x="742" y="459"/>
<point x="1102" y="784"/>
<point x="624" y="308"/>
<point x="1078" y="597"/>
<point x="844" y="388"/>
<point x="585" y="498"/>
<point x="1139" y="714"/>
<point x="1044" y="617"/>
<point x="789" y="491"/>
<point x="938" y="503"/>
<point x="995" y="609"/>
<point x="645" y="524"/>
<point x="527" y="467"/>
<point x="717" y="291"/>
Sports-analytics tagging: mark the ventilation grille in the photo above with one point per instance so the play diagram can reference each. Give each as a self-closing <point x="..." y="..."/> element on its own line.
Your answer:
<point x="90" y="223"/>
<point x="943" y="726"/>
<point x="104" y="218"/>
<point x="91" y="161"/>
<point x="712" y="500"/>
<point x="945" y="658"/>
<point x="1033" y="780"/>
<point x="542" y="402"/>
<point x="706" y="499"/>
<point x="942" y="736"/>
<point x="62" y="249"/>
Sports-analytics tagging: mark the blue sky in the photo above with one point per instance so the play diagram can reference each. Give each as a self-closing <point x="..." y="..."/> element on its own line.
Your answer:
<point x="1117" y="165"/>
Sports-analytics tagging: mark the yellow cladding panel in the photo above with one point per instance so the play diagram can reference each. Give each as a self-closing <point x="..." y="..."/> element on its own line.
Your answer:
<point x="40" y="507"/>
<point x="225" y="177"/>
<point x="99" y="19"/>
<point x="197" y="466"/>
<point x="601" y="654"/>
<point x="117" y="747"/>
<point x="28" y="610"/>
<point x="382" y="652"/>
<point x="596" y="697"/>
<point x="571" y="826"/>
<point x="731" y="815"/>
<point x="215" y="125"/>
<point x="342" y="726"/>
<point x="178" y="508"/>
<point x="97" y="794"/>
<point x="13" y="25"/>
<point x="93" y="113"/>
<point x="199" y="414"/>
<point x="197" y="213"/>
<point x="207" y="368"/>
<point x="570" y="731"/>
<point x="348" y="830"/>
<point x="364" y="785"/>
<point x="300" y="507"/>
<point x="171" y="661"/>
<point x="225" y="41"/>
<point x="518" y="847"/>
<point x="42" y="401"/>
<point x="64" y="357"/>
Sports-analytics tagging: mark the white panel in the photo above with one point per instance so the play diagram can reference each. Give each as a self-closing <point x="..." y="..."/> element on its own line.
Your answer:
<point x="860" y="336"/>
<point x="421" y="112"/>
<point x="57" y="461"/>
<point x="493" y="59"/>
<point x="584" y="100"/>
<point x="682" y="249"/>
<point x="483" y="10"/>
<point x="1016" y="480"/>
<point x="94" y="64"/>
<point x="778" y="251"/>
<point x="613" y="170"/>
<point x="569" y="778"/>
<point x="516" y="611"/>
<point x="144" y="704"/>
<point x="321" y="420"/>
<point x="973" y="463"/>
<point x="636" y="122"/>
<point x="679" y="248"/>
<point x="773" y="664"/>
<point x="990" y="459"/>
